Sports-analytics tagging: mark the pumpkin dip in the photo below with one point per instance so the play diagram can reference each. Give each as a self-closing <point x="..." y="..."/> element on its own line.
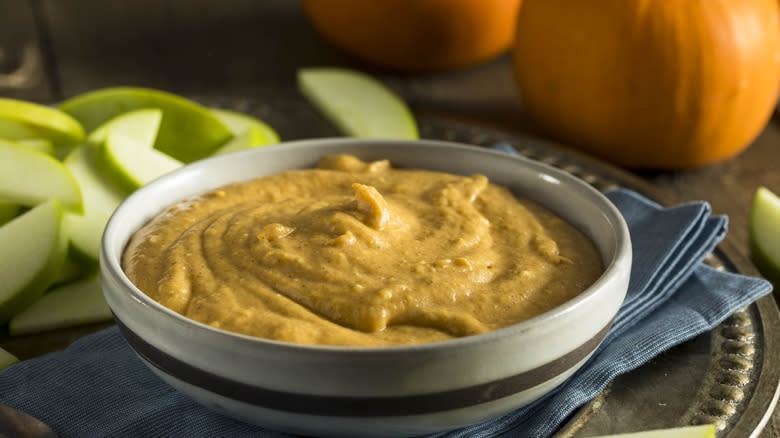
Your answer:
<point x="360" y="254"/>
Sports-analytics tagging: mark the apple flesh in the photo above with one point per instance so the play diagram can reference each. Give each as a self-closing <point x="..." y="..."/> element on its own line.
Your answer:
<point x="357" y="104"/>
<point x="100" y="196"/>
<point x="248" y="132"/>
<point x="34" y="247"/>
<point x="39" y="144"/>
<point x="245" y="140"/>
<point x="27" y="120"/>
<point x="29" y="177"/>
<point x="134" y="165"/>
<point x="73" y="304"/>
<point x="7" y="359"/>
<point x="128" y="151"/>
<point x="765" y="234"/>
<point x="238" y="122"/>
<point x="74" y="267"/>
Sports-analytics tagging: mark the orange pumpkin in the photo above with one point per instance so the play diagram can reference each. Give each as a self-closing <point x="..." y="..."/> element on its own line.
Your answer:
<point x="416" y="35"/>
<point x="665" y="84"/>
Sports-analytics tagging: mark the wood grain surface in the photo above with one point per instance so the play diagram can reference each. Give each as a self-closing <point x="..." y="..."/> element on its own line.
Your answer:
<point x="247" y="47"/>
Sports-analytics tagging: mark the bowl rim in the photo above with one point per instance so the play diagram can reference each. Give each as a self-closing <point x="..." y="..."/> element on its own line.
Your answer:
<point x="111" y="265"/>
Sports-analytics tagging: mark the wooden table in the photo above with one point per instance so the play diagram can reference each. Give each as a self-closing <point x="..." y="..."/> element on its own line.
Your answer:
<point x="52" y="49"/>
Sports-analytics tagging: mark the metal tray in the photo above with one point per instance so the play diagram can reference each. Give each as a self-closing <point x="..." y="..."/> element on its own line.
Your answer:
<point x="726" y="377"/>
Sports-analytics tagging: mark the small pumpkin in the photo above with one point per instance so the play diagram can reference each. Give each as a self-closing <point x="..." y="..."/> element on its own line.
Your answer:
<point x="664" y="84"/>
<point x="416" y="35"/>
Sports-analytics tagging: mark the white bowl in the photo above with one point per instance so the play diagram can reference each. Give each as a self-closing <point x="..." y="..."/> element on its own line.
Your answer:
<point x="381" y="391"/>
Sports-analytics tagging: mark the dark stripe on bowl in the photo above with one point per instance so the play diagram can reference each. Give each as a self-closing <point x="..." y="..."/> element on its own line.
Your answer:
<point x="368" y="406"/>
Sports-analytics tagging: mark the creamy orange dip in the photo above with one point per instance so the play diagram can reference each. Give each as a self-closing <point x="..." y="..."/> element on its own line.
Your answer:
<point x="360" y="254"/>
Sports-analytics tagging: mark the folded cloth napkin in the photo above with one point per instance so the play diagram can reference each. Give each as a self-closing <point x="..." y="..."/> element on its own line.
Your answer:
<point x="97" y="387"/>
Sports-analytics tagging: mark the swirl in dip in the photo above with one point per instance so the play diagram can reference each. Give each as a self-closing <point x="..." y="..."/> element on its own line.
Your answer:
<point x="360" y="254"/>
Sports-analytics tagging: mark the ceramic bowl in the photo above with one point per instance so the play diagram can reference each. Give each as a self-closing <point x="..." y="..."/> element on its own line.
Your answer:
<point x="381" y="391"/>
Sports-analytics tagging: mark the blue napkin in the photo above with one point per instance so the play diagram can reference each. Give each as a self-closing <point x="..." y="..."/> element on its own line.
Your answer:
<point x="97" y="387"/>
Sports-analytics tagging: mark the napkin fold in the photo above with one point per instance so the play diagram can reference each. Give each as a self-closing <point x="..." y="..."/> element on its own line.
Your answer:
<point x="97" y="387"/>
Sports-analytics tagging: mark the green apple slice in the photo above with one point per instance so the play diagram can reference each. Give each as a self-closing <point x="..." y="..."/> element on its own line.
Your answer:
<point x="128" y="150"/>
<point x="39" y="144"/>
<point x="701" y="431"/>
<point x="99" y="134"/>
<point x="74" y="267"/>
<point x="100" y="200"/>
<point x="251" y="138"/>
<point x="248" y="132"/>
<point x="8" y="211"/>
<point x="29" y="178"/>
<point x="188" y="132"/>
<point x="32" y="249"/>
<point x="21" y="120"/>
<point x="359" y="105"/>
<point x="45" y="146"/>
<point x="73" y="304"/>
<point x="7" y="359"/>
<point x="238" y="123"/>
<point x="765" y="234"/>
<point x="134" y="165"/>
